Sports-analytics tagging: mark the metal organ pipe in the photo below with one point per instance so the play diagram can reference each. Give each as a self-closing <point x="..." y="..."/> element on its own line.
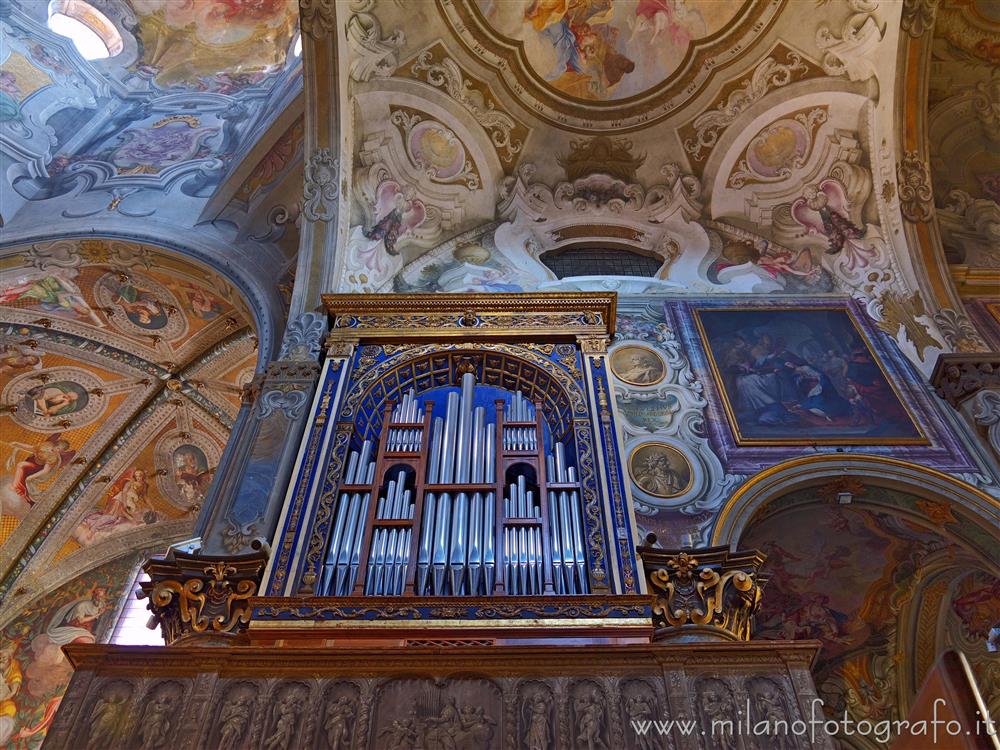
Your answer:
<point x="456" y="549"/>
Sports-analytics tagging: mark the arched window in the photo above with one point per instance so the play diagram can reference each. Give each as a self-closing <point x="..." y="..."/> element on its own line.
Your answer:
<point x="92" y="33"/>
<point x="600" y="261"/>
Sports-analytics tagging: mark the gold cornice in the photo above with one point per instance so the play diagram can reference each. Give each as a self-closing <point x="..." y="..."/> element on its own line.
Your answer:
<point x="975" y="282"/>
<point x="470" y="317"/>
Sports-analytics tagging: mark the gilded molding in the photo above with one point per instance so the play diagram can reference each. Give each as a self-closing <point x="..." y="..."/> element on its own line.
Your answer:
<point x="470" y="317"/>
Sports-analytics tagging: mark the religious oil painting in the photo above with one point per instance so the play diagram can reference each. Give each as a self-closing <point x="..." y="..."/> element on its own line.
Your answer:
<point x="660" y="470"/>
<point x="802" y="376"/>
<point x="637" y="365"/>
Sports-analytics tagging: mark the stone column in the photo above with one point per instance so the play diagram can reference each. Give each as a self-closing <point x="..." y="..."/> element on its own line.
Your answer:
<point x="258" y="462"/>
<point x="202" y="595"/>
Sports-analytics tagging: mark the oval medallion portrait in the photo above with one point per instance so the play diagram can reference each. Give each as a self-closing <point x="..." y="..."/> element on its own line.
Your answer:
<point x="660" y="470"/>
<point x="637" y="365"/>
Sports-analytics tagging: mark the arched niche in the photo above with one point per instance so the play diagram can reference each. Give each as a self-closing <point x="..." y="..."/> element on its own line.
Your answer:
<point x="886" y="563"/>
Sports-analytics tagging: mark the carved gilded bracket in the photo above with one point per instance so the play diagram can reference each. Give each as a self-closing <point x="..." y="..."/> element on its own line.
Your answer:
<point x="202" y="599"/>
<point x="706" y="594"/>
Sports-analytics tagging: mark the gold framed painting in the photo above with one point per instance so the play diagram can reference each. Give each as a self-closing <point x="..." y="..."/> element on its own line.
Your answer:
<point x="802" y="375"/>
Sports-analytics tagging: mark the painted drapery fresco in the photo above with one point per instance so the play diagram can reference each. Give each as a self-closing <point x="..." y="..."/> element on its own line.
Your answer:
<point x="604" y="50"/>
<point x="34" y="672"/>
<point x="804" y="375"/>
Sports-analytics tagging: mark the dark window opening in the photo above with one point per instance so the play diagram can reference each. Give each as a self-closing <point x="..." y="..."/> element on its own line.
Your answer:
<point x="598" y="261"/>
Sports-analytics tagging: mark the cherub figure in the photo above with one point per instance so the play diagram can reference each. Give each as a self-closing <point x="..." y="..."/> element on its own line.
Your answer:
<point x="822" y="210"/>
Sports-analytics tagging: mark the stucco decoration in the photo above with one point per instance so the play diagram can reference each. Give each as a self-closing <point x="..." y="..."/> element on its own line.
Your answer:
<point x="321" y="190"/>
<point x="372" y="53"/>
<point x="851" y="51"/>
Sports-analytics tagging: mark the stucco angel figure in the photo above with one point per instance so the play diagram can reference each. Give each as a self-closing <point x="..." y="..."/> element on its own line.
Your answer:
<point x="397" y="213"/>
<point x="822" y="210"/>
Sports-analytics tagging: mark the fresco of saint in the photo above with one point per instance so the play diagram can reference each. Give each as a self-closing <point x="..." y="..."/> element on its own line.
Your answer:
<point x="52" y="292"/>
<point x="126" y="506"/>
<point x="39" y="465"/>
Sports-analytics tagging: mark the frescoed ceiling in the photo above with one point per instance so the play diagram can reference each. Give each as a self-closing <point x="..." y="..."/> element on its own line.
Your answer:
<point x="120" y="376"/>
<point x="886" y="583"/>
<point x="194" y="95"/>
<point x="747" y="147"/>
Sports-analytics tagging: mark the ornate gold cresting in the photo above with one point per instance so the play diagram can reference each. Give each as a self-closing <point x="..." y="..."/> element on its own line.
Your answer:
<point x="708" y="594"/>
<point x="470" y="317"/>
<point x="201" y="598"/>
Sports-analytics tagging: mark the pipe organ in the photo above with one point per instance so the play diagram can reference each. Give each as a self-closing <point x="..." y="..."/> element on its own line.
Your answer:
<point x="461" y="472"/>
<point x="478" y="502"/>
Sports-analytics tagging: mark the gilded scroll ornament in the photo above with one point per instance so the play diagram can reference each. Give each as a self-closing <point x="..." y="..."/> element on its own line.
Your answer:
<point x="196" y="597"/>
<point x="708" y="594"/>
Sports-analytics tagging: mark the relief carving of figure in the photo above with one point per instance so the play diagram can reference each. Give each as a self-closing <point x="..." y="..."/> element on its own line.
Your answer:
<point x="157" y="722"/>
<point x="717" y="712"/>
<point x="767" y="705"/>
<point x="453" y="729"/>
<point x="536" y="714"/>
<point x="639" y="709"/>
<point x="234" y="719"/>
<point x="400" y="735"/>
<point x="590" y="721"/>
<point x="108" y="719"/>
<point x="286" y="721"/>
<point x="338" y="719"/>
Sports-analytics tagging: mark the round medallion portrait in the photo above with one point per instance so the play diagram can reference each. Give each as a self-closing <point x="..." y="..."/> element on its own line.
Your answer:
<point x="637" y="365"/>
<point x="69" y="397"/>
<point x="140" y="305"/>
<point x="660" y="470"/>
<point x="186" y="465"/>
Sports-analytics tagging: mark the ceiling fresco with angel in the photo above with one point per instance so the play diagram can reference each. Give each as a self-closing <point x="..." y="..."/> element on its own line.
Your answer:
<point x="121" y="369"/>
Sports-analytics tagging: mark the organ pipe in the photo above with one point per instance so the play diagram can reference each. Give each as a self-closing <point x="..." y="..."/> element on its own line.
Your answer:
<point x="436" y="525"/>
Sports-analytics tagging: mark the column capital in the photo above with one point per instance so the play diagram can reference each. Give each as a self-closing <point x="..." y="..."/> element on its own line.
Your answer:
<point x="707" y="594"/>
<point x="202" y="598"/>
